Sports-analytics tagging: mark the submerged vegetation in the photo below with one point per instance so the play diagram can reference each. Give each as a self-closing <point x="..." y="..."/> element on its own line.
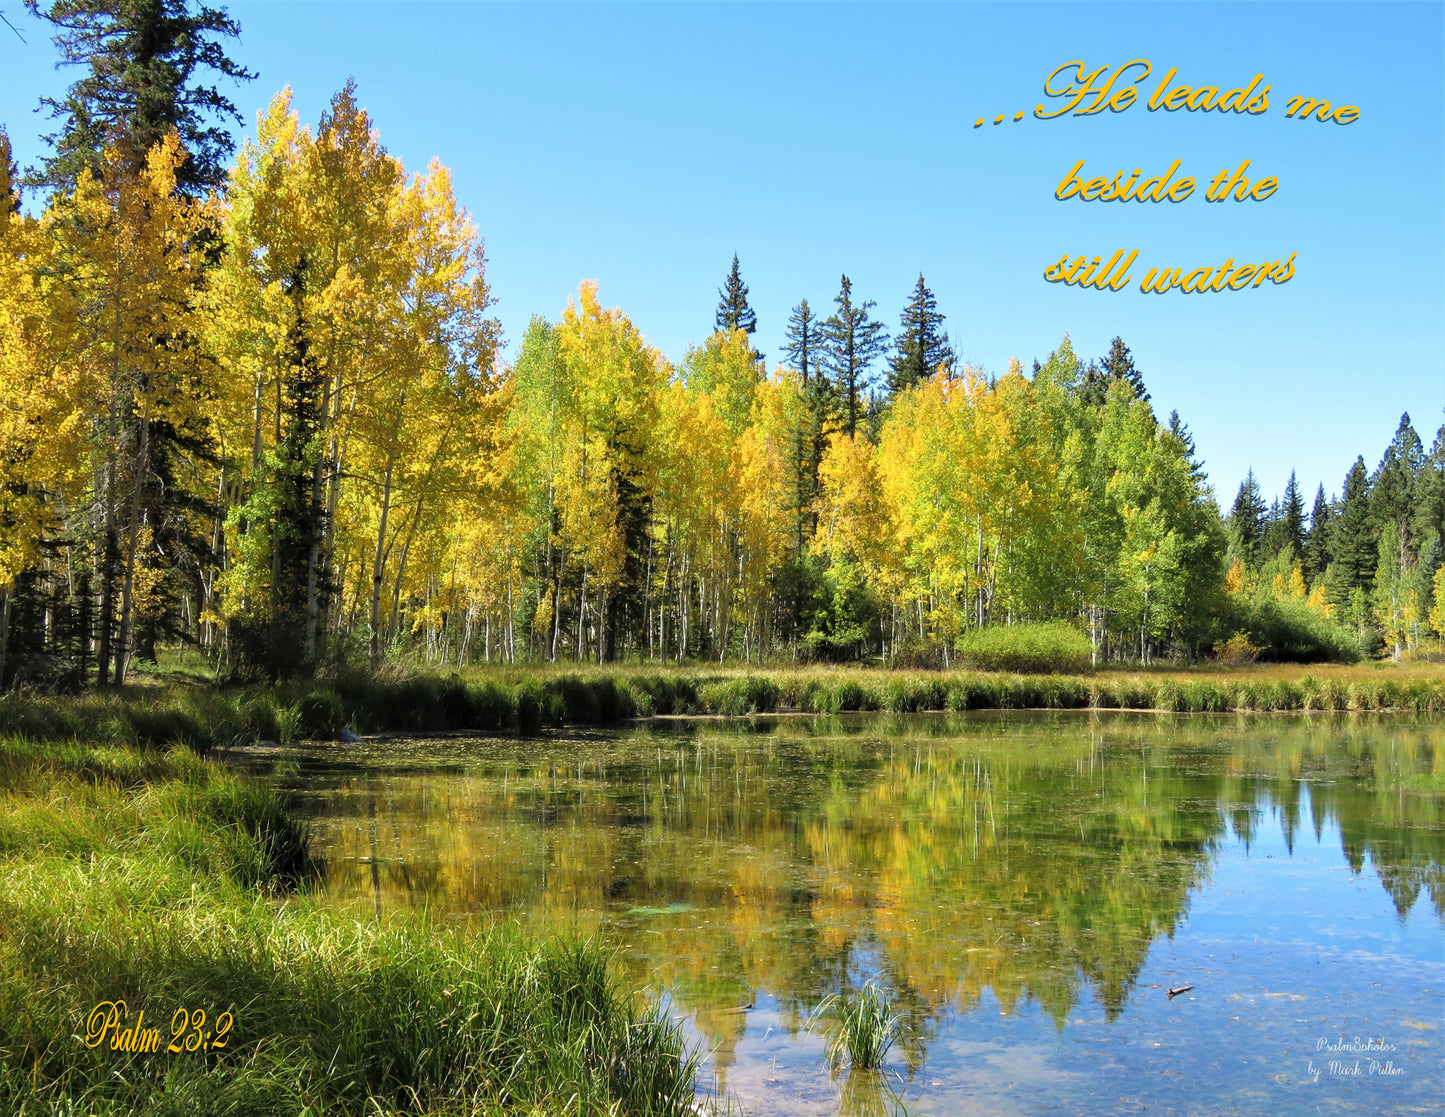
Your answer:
<point x="162" y="880"/>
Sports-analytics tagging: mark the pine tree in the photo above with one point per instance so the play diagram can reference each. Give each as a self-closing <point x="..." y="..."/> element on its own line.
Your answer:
<point x="733" y="312"/>
<point x="1118" y="365"/>
<point x="1353" y="547"/>
<point x="1289" y="523"/>
<point x="804" y="348"/>
<point x="299" y="522"/>
<point x="922" y="344"/>
<point x="852" y="342"/>
<point x="1247" y="521"/>
<point x="142" y="56"/>
<point x="804" y="342"/>
<point x="1180" y="430"/>
<point x="1429" y="514"/>
<point x="1392" y="488"/>
<point x="1315" y="553"/>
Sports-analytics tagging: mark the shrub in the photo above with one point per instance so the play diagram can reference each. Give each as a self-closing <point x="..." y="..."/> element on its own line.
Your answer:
<point x="1026" y="648"/>
<point x="1237" y="651"/>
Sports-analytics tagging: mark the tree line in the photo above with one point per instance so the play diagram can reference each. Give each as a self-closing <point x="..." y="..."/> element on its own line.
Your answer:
<point x="1369" y="558"/>
<point x="257" y="405"/>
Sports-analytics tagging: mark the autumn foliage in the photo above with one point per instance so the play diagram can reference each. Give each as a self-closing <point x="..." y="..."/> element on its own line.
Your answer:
<point x="275" y="423"/>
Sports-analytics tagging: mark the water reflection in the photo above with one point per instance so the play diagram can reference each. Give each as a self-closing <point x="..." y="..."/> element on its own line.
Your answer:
<point x="1033" y="859"/>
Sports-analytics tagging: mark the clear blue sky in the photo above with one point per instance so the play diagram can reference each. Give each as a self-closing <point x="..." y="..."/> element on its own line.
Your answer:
<point x="643" y="145"/>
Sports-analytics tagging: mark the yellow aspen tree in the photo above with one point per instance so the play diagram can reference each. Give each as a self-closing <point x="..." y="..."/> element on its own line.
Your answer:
<point x="43" y="397"/>
<point x="764" y="508"/>
<point x="131" y="244"/>
<point x="610" y="462"/>
<point x="691" y="509"/>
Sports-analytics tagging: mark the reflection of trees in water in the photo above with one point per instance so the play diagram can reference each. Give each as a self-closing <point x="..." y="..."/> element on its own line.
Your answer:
<point x="1031" y="856"/>
<point x="1355" y="774"/>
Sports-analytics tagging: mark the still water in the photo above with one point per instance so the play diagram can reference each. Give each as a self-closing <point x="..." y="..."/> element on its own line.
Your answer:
<point x="1027" y="889"/>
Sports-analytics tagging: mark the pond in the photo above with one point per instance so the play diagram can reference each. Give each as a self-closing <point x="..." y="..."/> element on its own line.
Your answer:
<point x="1027" y="889"/>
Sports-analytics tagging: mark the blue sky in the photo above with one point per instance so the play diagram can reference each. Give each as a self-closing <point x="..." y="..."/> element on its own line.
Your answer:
<point x="642" y="145"/>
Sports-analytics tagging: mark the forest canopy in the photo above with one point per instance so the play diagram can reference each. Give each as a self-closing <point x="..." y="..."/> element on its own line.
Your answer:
<point x="272" y="419"/>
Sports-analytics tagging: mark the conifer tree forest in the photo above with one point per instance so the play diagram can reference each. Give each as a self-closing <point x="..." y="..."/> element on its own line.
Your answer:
<point x="254" y="401"/>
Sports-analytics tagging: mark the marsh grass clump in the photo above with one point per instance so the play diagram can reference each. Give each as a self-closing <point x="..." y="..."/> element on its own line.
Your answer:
<point x="286" y="720"/>
<point x="865" y="1027"/>
<point x="739" y="696"/>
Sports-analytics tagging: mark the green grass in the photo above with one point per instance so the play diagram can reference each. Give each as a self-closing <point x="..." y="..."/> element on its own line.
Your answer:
<point x="526" y="700"/>
<point x="165" y="881"/>
<point x="864" y="1027"/>
<point x="1426" y="783"/>
<point x="1030" y="648"/>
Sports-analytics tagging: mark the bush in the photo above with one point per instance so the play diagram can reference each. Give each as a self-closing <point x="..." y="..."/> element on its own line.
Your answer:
<point x="916" y="654"/>
<point x="1026" y="648"/>
<point x="1237" y="651"/>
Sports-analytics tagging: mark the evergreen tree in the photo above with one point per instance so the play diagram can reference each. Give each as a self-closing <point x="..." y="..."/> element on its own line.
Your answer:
<point x="1316" y="544"/>
<point x="804" y="349"/>
<point x="1429" y="514"/>
<point x="852" y="342"/>
<point x="1353" y="542"/>
<point x="922" y="344"/>
<point x="1392" y="488"/>
<point x="733" y="312"/>
<point x="286" y="515"/>
<point x="804" y="342"/>
<point x="1118" y="365"/>
<point x="1288" y="524"/>
<point x="1272" y="540"/>
<point x="299" y="512"/>
<point x="1247" y="521"/>
<point x="1094" y="385"/>
<point x="143" y="57"/>
<point x="1180" y="430"/>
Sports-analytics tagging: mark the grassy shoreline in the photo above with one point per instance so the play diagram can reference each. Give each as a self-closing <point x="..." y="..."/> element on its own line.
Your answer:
<point x="526" y="700"/>
<point x="167" y="882"/>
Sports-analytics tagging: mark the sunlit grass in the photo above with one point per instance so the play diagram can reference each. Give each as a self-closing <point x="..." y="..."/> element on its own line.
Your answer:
<point x="529" y="699"/>
<point x="864" y="1027"/>
<point x="167" y="882"/>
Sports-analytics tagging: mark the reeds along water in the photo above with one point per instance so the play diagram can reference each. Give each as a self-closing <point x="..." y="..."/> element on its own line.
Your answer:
<point x="528" y="701"/>
<point x="865" y="1029"/>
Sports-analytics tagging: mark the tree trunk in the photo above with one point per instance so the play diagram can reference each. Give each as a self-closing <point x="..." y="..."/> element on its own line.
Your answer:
<point x="378" y="568"/>
<point x="5" y="602"/>
<point x="132" y="544"/>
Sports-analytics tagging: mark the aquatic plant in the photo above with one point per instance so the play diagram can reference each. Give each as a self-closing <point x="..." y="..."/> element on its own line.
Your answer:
<point x="864" y="1029"/>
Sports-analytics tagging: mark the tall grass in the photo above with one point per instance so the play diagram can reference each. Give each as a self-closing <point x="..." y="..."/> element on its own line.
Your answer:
<point x="528" y="700"/>
<point x="864" y="1029"/>
<point x="162" y="880"/>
